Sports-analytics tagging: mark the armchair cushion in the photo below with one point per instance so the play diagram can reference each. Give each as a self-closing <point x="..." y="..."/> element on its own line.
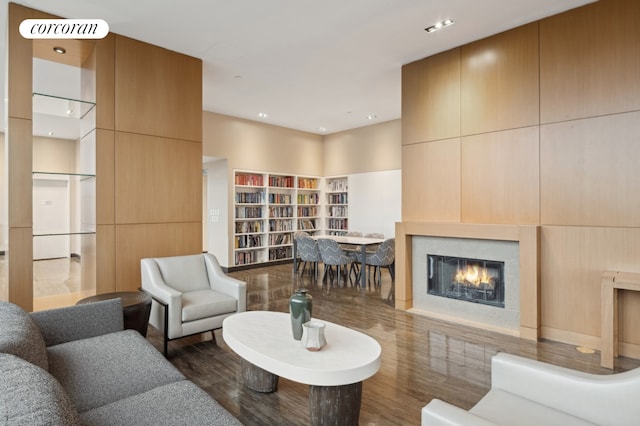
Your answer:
<point x="184" y="273"/>
<point x="206" y="303"/>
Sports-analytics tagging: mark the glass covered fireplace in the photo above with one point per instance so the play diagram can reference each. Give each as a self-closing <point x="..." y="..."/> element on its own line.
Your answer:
<point x="473" y="280"/>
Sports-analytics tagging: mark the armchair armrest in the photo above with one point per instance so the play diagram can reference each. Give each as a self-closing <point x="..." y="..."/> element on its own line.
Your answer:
<point x="225" y="284"/>
<point x="80" y="321"/>
<point x="440" y="413"/>
<point x="592" y="397"/>
<point x="153" y="283"/>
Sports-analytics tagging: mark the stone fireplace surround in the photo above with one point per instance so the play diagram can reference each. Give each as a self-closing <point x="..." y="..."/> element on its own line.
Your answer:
<point x="528" y="237"/>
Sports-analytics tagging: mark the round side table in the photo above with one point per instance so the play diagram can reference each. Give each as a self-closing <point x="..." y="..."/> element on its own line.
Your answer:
<point x="136" y="308"/>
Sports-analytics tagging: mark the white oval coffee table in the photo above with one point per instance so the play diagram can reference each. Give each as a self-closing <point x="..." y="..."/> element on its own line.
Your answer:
<point x="335" y="373"/>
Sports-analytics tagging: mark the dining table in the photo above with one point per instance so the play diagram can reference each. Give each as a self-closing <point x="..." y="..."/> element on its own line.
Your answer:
<point x="362" y="242"/>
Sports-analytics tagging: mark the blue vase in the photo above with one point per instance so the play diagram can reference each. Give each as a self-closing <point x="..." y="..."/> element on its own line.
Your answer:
<point x="300" y="305"/>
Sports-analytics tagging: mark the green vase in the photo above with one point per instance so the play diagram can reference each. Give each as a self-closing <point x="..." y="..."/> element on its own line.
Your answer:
<point x="300" y="305"/>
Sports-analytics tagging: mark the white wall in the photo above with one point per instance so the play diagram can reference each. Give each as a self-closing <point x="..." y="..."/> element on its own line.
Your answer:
<point x="217" y="211"/>
<point x="375" y="202"/>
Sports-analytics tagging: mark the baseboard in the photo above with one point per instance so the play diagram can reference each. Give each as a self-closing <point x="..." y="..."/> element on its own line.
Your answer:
<point x="255" y="265"/>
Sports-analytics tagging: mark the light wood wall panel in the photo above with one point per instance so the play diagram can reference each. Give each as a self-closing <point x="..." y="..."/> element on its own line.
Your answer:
<point x="135" y="242"/>
<point x="499" y="81"/>
<point x="105" y="82"/>
<point x="500" y="177"/>
<point x="105" y="176"/>
<point x="431" y="98"/>
<point x="19" y="64"/>
<point x="590" y="61"/>
<point x="572" y="263"/>
<point x="105" y="258"/>
<point x="158" y="92"/>
<point x="20" y="178"/>
<point x="589" y="171"/>
<point x="20" y="266"/>
<point x="157" y="179"/>
<point x="431" y="181"/>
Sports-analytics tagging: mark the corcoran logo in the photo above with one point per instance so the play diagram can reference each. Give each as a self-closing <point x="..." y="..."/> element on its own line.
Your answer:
<point x="64" y="28"/>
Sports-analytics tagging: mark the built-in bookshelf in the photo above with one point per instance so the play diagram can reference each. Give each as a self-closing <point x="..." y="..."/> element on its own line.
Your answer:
<point x="269" y="209"/>
<point x="308" y="205"/>
<point x="337" y="205"/>
<point x="250" y="230"/>
<point x="281" y="216"/>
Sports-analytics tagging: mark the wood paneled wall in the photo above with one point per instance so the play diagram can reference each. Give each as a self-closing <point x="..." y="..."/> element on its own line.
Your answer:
<point x="157" y="158"/>
<point x="549" y="129"/>
<point x="148" y="149"/>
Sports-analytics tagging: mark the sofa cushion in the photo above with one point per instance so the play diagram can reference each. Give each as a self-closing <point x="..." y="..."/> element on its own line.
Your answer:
<point x="178" y="403"/>
<point x="103" y="369"/>
<point x="206" y="303"/>
<point x="20" y="335"/>
<point x="31" y="396"/>
<point x="505" y="408"/>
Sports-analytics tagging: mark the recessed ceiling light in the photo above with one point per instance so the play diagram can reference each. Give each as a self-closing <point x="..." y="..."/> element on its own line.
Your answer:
<point x="322" y="129"/>
<point x="372" y="117"/>
<point x="50" y="133"/>
<point x="439" y="25"/>
<point x="60" y="50"/>
<point x="262" y="115"/>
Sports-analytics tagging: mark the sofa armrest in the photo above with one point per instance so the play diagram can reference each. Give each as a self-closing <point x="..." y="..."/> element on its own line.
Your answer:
<point x="80" y="321"/>
<point x="592" y="397"/>
<point x="440" y="413"/>
<point x="225" y="284"/>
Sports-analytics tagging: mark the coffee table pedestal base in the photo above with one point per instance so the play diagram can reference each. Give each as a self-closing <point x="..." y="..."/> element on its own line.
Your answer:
<point x="257" y="379"/>
<point x="335" y="405"/>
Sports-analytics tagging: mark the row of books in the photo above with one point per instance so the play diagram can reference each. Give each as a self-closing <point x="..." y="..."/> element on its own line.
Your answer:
<point x="249" y="179"/>
<point x="245" y="227"/>
<point x="306" y="224"/>
<point x="307" y="211"/>
<point x="308" y="198"/>
<point x="308" y="183"/>
<point x="337" y="224"/>
<point x="247" y="257"/>
<point x="248" y="212"/>
<point x="338" y="211"/>
<point x="338" y="185"/>
<point x="279" y="239"/>
<point x="280" y="253"/>
<point x="337" y="199"/>
<point x="281" y="181"/>
<point x="280" y="225"/>
<point x="280" y="198"/>
<point x="250" y="197"/>
<point x="281" y="211"/>
<point x="248" y="241"/>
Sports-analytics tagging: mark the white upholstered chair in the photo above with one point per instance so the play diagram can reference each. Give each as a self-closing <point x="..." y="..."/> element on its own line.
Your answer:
<point x="529" y="392"/>
<point x="191" y="294"/>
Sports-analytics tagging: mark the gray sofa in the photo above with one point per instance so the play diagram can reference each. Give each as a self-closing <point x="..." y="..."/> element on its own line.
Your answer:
<point x="76" y="365"/>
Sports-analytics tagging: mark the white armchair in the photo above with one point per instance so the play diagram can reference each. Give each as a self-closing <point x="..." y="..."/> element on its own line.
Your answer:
<point x="529" y="392"/>
<point x="191" y="294"/>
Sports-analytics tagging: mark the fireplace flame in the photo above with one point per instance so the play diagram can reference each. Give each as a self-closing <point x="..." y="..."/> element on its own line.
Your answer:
<point x="475" y="275"/>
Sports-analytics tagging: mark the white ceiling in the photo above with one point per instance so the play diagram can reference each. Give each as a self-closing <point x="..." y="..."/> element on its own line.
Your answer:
<point x="307" y="64"/>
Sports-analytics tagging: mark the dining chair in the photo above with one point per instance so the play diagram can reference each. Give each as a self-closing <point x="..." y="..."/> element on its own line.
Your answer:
<point x="333" y="255"/>
<point x="383" y="257"/>
<point x="309" y="254"/>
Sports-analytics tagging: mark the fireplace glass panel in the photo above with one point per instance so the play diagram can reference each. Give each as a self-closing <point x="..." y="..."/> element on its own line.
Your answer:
<point x="473" y="280"/>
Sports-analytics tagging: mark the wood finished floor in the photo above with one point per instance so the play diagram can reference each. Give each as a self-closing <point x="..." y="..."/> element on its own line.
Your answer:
<point x="422" y="358"/>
